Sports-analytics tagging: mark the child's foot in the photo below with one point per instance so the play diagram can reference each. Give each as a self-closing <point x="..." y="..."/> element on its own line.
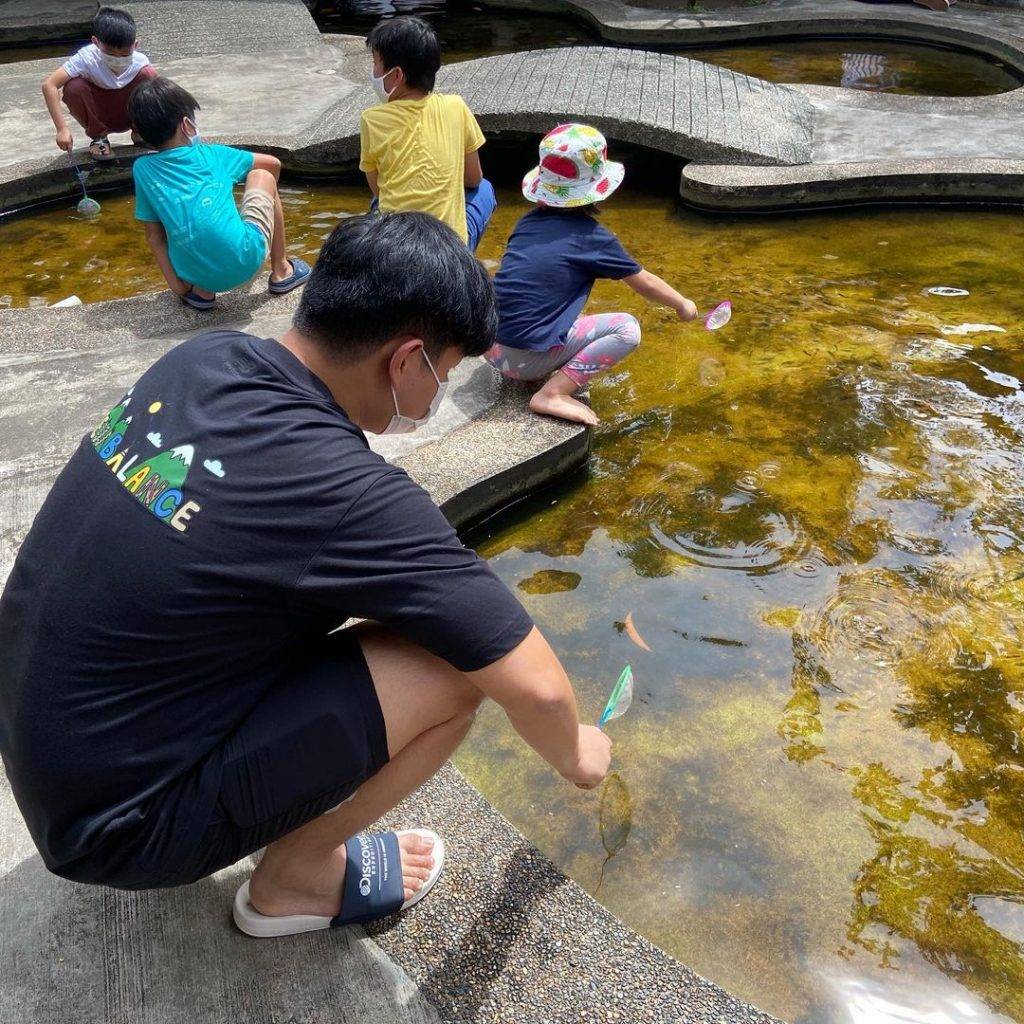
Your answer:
<point x="563" y="407"/>
<point x="99" y="149"/>
<point x="198" y="299"/>
<point x="293" y="275"/>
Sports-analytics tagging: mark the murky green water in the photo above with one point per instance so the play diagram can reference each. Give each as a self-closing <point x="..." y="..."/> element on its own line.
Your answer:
<point x="467" y="31"/>
<point x="58" y="51"/>
<point x="865" y="64"/>
<point x="62" y="253"/>
<point x="815" y="521"/>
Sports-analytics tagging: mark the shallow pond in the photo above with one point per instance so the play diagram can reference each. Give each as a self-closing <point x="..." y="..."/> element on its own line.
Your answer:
<point x="815" y="521"/>
<point x="467" y="31"/>
<point x="806" y="534"/>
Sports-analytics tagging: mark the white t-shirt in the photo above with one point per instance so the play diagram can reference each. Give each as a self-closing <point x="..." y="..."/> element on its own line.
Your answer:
<point x="88" y="63"/>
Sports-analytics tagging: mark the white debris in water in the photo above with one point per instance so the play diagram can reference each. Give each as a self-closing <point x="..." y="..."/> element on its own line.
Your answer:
<point x="71" y="300"/>
<point x="947" y="292"/>
<point x="972" y="329"/>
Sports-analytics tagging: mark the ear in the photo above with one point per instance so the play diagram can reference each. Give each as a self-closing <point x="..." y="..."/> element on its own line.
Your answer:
<point x="404" y="359"/>
<point x="95" y="41"/>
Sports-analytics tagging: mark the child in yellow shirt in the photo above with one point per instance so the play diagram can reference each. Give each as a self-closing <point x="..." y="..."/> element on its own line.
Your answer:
<point x="420" y="150"/>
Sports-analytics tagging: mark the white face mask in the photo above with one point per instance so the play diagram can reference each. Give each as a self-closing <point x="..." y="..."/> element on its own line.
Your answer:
<point x="378" y="85"/>
<point x="193" y="140"/>
<point x="118" y="65"/>
<point x="399" y="424"/>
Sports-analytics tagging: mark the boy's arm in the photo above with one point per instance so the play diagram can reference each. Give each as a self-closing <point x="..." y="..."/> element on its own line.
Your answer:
<point x="156" y="237"/>
<point x="52" y="85"/>
<point x="371" y="180"/>
<point x="474" y="173"/>
<point x="654" y="289"/>
<point x="531" y="686"/>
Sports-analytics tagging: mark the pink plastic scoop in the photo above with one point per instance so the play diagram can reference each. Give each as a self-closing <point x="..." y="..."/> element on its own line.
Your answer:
<point x="719" y="316"/>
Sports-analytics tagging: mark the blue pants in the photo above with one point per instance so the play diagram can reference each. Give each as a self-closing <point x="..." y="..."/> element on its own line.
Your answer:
<point x="480" y="206"/>
<point x="481" y="203"/>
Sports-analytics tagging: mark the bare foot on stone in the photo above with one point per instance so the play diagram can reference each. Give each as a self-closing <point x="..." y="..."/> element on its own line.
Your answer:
<point x="564" y="407"/>
<point x="556" y="399"/>
<point x="279" y="888"/>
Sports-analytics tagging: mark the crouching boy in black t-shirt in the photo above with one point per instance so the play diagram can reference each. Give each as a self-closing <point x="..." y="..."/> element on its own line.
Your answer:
<point x="172" y="696"/>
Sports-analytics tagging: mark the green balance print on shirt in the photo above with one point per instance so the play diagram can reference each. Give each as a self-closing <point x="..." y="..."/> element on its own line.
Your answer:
<point x="188" y="190"/>
<point x="157" y="481"/>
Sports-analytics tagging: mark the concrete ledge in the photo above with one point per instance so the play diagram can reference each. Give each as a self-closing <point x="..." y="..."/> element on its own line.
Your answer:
<point x="870" y="182"/>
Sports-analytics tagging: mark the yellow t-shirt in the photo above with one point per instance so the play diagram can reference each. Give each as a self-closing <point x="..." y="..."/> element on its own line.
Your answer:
<point x="418" y="149"/>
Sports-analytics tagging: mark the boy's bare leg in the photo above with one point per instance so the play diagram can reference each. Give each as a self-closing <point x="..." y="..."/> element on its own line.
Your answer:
<point x="280" y="267"/>
<point x="428" y="707"/>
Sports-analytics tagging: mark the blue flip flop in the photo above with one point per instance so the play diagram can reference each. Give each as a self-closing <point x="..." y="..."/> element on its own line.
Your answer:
<point x="190" y="298"/>
<point x="299" y="275"/>
<point x="373" y="888"/>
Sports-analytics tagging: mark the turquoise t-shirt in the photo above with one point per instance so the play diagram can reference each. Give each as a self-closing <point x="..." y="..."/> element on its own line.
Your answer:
<point x="188" y="190"/>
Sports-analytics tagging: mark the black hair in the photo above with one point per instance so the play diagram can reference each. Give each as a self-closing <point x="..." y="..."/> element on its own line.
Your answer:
<point x="409" y="43"/>
<point x="379" y="276"/>
<point x="157" y="107"/>
<point x="114" y="27"/>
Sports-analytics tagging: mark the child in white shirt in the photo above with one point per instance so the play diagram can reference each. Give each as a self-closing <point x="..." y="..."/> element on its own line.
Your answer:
<point x="98" y="82"/>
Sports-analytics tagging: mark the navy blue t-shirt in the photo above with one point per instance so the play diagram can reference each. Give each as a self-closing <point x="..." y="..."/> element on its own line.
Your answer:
<point x="223" y="515"/>
<point x="551" y="262"/>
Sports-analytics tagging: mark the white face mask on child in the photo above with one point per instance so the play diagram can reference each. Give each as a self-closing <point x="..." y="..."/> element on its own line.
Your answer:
<point x="379" y="87"/>
<point x="399" y="424"/>
<point x="193" y="140"/>
<point x="118" y="65"/>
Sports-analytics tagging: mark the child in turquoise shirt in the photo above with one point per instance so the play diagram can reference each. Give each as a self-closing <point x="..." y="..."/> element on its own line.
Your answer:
<point x="202" y="242"/>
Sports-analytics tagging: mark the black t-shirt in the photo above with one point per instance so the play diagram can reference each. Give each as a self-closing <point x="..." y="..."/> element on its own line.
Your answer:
<point x="224" y="514"/>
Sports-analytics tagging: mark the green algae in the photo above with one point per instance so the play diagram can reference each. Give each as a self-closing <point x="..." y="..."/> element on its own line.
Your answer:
<point x="550" y="581"/>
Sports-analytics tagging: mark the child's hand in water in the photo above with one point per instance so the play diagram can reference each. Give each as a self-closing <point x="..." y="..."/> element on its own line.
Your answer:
<point x="64" y="140"/>
<point x="687" y="311"/>
<point x="595" y="757"/>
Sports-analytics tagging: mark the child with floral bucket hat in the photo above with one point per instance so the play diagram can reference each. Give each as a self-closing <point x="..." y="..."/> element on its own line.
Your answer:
<point x="553" y="257"/>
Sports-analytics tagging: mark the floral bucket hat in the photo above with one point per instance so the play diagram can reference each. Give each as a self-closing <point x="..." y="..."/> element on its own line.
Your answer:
<point x="574" y="168"/>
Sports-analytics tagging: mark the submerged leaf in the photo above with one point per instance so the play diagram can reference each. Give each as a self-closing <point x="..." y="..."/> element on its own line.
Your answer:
<point x="616" y="818"/>
<point x="633" y="633"/>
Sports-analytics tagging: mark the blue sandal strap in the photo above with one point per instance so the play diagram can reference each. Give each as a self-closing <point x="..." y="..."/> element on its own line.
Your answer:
<point x="373" y="879"/>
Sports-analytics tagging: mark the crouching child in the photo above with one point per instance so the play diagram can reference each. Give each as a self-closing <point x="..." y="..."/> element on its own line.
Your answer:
<point x="202" y="242"/>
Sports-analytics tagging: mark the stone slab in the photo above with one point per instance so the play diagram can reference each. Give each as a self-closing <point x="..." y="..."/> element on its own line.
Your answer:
<point x="35" y="21"/>
<point x="816" y="186"/>
<point x="534" y="90"/>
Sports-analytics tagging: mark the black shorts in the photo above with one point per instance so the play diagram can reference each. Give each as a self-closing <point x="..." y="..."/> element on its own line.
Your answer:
<point x="313" y="739"/>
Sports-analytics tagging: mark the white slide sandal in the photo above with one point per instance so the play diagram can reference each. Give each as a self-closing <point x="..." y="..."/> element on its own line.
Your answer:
<point x="372" y="889"/>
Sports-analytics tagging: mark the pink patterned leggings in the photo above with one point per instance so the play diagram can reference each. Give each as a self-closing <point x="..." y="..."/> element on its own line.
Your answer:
<point x="594" y="343"/>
